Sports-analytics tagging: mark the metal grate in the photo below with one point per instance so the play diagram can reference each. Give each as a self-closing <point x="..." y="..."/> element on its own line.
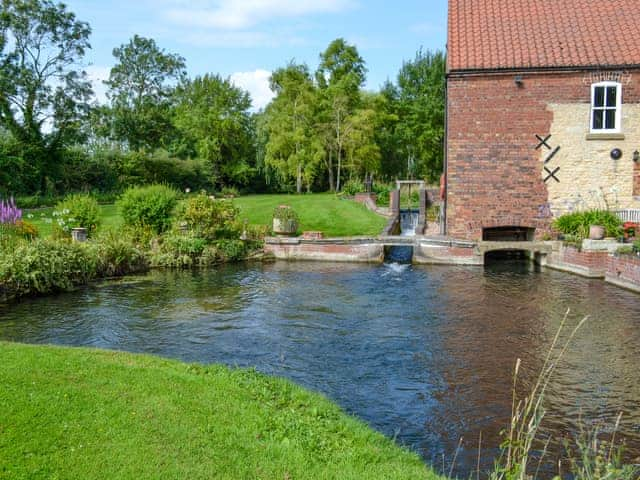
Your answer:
<point x="628" y="215"/>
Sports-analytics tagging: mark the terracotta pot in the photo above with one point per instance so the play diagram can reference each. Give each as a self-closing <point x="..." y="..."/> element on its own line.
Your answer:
<point x="596" y="232"/>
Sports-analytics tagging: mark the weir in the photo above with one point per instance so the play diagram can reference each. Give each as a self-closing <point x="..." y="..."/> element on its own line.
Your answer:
<point x="403" y="252"/>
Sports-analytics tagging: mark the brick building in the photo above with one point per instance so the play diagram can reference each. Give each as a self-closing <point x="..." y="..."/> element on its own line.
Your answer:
<point x="543" y="113"/>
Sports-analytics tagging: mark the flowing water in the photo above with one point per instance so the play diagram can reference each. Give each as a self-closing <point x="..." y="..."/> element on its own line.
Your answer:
<point x="423" y="354"/>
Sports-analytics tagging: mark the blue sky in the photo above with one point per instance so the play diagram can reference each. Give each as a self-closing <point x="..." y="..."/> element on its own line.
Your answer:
<point x="247" y="39"/>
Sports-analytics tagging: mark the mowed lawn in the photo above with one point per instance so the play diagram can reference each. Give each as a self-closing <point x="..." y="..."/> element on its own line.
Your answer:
<point x="109" y="217"/>
<point x="333" y="216"/>
<point x="76" y="413"/>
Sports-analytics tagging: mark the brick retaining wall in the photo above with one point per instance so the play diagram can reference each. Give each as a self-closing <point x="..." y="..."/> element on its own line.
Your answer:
<point x="621" y="270"/>
<point x="624" y="271"/>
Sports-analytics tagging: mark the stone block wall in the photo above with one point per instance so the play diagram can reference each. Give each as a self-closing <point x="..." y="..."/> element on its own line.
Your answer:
<point x="495" y="174"/>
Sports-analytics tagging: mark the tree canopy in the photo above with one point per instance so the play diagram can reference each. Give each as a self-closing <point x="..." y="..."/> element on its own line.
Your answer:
<point x="321" y="129"/>
<point x="140" y="89"/>
<point x="44" y="92"/>
<point x="213" y="117"/>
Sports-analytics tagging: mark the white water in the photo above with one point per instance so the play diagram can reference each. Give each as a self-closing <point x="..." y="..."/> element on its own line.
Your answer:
<point x="408" y="223"/>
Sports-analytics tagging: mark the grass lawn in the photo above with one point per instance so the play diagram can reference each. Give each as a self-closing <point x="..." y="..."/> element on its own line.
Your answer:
<point x="108" y="214"/>
<point x="323" y="212"/>
<point x="319" y="212"/>
<point x="90" y="414"/>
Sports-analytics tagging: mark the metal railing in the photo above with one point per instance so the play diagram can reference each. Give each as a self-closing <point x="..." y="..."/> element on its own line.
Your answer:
<point x="628" y="215"/>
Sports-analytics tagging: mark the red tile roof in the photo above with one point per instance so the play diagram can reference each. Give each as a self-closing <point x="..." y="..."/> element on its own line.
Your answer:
<point x="518" y="34"/>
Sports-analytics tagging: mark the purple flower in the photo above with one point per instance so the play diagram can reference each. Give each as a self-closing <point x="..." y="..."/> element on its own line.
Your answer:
<point x="9" y="212"/>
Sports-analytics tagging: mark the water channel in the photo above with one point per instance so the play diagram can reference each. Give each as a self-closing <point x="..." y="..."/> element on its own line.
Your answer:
<point x="423" y="354"/>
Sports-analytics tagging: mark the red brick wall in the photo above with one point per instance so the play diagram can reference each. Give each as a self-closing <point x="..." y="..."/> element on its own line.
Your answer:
<point x="493" y="170"/>
<point x="590" y="260"/>
<point x="624" y="267"/>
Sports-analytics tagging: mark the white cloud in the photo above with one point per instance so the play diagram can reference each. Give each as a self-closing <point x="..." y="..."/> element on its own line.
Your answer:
<point x="427" y="28"/>
<point x="257" y="84"/>
<point x="97" y="75"/>
<point x="236" y="39"/>
<point x="243" y="14"/>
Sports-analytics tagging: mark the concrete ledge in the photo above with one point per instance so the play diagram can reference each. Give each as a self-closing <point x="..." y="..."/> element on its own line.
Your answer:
<point x="576" y="269"/>
<point x="431" y="254"/>
<point x="620" y="282"/>
<point x="536" y="247"/>
<point x="353" y="250"/>
<point x="609" y="246"/>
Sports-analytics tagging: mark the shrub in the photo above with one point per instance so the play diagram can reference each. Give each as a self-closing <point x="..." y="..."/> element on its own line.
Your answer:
<point x="231" y="250"/>
<point x="26" y="230"/>
<point x="178" y="251"/>
<point x="352" y="187"/>
<point x="285" y="213"/>
<point x="625" y="250"/>
<point x="46" y="266"/>
<point x="140" y="168"/>
<point x="210" y="219"/>
<point x="230" y="192"/>
<point x="148" y="206"/>
<point x="117" y="255"/>
<point x="76" y="210"/>
<point x="382" y="190"/>
<point x="578" y="223"/>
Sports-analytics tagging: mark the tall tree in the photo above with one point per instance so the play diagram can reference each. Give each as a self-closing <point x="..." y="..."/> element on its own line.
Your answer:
<point x="140" y="88"/>
<point x="213" y="116"/>
<point x="43" y="90"/>
<point x="421" y="109"/>
<point x="361" y="143"/>
<point x="340" y="75"/>
<point x="294" y="149"/>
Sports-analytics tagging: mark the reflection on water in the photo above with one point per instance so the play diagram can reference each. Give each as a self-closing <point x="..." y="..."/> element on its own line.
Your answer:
<point x="423" y="354"/>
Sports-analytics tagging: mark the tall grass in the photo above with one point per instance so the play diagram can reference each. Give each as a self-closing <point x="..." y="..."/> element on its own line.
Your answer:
<point x="596" y="460"/>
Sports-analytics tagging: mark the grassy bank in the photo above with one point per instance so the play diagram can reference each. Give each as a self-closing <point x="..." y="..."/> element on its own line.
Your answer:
<point x="75" y="413"/>
<point x="318" y="212"/>
<point x="42" y="218"/>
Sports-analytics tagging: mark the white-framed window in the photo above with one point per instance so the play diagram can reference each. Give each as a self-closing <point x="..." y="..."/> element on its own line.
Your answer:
<point x="606" y="107"/>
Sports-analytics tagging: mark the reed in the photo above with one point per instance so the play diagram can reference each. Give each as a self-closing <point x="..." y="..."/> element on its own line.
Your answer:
<point x="596" y="459"/>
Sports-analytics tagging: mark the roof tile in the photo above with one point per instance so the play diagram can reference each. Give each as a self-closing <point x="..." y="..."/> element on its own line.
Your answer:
<point x="512" y="34"/>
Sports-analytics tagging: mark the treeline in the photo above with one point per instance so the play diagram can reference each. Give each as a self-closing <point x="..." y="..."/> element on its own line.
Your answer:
<point x="321" y="130"/>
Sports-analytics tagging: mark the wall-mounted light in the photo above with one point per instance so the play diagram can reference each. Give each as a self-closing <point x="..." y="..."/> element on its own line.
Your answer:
<point x="518" y="80"/>
<point x="636" y="156"/>
<point x="616" y="154"/>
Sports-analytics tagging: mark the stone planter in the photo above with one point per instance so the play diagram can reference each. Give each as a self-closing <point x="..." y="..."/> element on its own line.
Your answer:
<point x="79" y="234"/>
<point x="596" y="232"/>
<point x="285" y="227"/>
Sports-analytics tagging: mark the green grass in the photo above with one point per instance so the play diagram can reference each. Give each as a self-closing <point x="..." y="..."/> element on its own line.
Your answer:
<point x="109" y="217"/>
<point x="318" y="212"/>
<point x="77" y="413"/>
